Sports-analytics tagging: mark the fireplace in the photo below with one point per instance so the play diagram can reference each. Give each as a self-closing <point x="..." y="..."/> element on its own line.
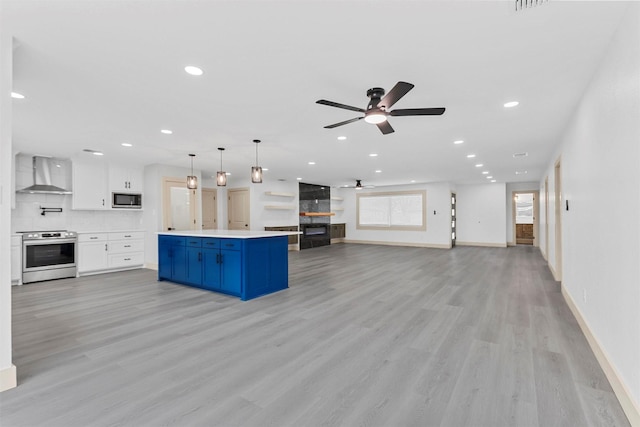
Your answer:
<point x="314" y="235"/>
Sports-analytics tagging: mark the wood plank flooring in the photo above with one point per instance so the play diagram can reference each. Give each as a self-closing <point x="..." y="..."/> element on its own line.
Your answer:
<point x="365" y="336"/>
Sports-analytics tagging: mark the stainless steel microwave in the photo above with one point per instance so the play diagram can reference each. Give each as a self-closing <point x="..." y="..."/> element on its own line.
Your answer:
<point x="126" y="200"/>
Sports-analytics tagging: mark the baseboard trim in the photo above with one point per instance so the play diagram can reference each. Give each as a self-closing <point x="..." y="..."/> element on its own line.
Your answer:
<point x="482" y="244"/>
<point x="553" y="272"/>
<point x="337" y="240"/>
<point x="8" y="378"/>
<point x="151" y="266"/>
<point x="294" y="247"/>
<point x="622" y="392"/>
<point x="413" y="245"/>
<point x="511" y="244"/>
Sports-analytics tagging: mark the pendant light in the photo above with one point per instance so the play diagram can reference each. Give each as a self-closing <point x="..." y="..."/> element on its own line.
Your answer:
<point x="221" y="175"/>
<point x="256" y="171"/>
<point x="192" y="180"/>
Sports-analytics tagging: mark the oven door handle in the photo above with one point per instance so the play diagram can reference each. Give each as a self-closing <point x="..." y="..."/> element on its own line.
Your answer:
<point x="48" y="242"/>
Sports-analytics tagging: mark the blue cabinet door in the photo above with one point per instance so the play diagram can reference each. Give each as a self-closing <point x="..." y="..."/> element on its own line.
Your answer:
<point x="211" y="269"/>
<point x="231" y="271"/>
<point x="194" y="266"/>
<point x="179" y="263"/>
<point x="164" y="261"/>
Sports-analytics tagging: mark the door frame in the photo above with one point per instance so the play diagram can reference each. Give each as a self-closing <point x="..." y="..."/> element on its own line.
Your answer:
<point x="454" y="229"/>
<point x="166" y="207"/>
<point x="546" y="218"/>
<point x="536" y="210"/>
<point x="557" y="182"/>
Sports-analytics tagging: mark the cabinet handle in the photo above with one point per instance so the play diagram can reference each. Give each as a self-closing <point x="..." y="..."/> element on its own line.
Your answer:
<point x="127" y="259"/>
<point x="217" y="258"/>
<point x="228" y="244"/>
<point x="102" y="202"/>
<point x="127" y="246"/>
<point x="105" y="247"/>
<point x="93" y="238"/>
<point x="199" y="256"/>
<point x="127" y="235"/>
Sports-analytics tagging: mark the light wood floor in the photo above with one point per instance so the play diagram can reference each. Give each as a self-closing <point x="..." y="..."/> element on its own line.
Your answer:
<point x="365" y="336"/>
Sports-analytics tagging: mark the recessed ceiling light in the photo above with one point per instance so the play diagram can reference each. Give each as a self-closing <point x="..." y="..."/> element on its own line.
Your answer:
<point x="126" y="144"/>
<point x="345" y="186"/>
<point x="227" y="173"/>
<point x="521" y="172"/>
<point x="194" y="71"/>
<point x="312" y="163"/>
<point x="265" y="169"/>
<point x="342" y="138"/>
<point x="479" y="165"/>
<point x="485" y="172"/>
<point x="166" y="131"/>
<point x="458" y="142"/>
<point x="470" y="156"/>
<point x="17" y="95"/>
<point x="413" y="180"/>
<point x="58" y="165"/>
<point x="378" y="171"/>
<point x="523" y="154"/>
<point x="493" y="180"/>
<point x="489" y="177"/>
<point x="511" y="104"/>
<point x="373" y="155"/>
<point x="98" y="153"/>
<point x="299" y="179"/>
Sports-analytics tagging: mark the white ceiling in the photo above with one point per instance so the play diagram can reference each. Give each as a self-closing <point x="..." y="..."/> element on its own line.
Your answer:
<point x="99" y="73"/>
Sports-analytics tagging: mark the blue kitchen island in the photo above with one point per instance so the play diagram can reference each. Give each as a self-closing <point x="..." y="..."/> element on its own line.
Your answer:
<point x="242" y="263"/>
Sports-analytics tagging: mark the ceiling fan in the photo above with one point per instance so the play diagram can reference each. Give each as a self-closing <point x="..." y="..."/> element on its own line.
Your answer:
<point x="378" y="109"/>
<point x="358" y="185"/>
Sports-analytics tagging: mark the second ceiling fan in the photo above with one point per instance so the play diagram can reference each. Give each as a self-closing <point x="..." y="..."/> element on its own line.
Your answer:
<point x="378" y="109"/>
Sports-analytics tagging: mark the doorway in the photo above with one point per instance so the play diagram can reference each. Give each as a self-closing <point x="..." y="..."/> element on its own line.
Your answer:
<point x="209" y="209"/>
<point x="546" y="218"/>
<point x="453" y="220"/>
<point x="524" y="208"/>
<point x="178" y="205"/>
<point x="558" y="213"/>
<point x="238" y="208"/>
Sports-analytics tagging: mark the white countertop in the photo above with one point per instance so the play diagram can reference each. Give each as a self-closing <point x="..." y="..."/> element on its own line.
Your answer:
<point x="233" y="234"/>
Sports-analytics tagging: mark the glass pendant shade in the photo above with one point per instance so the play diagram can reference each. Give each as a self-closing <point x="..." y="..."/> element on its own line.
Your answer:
<point x="192" y="180"/>
<point x="221" y="179"/>
<point x="256" y="171"/>
<point x="256" y="174"/>
<point x="221" y="176"/>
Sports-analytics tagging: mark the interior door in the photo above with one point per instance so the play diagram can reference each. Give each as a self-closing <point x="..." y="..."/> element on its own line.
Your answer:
<point x="453" y="220"/>
<point x="238" y="208"/>
<point x="178" y="205"/>
<point x="209" y="209"/>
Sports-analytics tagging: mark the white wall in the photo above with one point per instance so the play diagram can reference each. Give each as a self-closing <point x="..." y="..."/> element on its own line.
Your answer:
<point x="7" y="370"/>
<point x="438" y="233"/>
<point x="517" y="186"/>
<point x="481" y="214"/>
<point x="600" y="178"/>
<point x="262" y="217"/>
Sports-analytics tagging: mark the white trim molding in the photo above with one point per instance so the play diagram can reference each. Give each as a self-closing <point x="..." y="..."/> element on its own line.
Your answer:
<point x="409" y="244"/>
<point x="8" y="378"/>
<point x="483" y="244"/>
<point x="622" y="392"/>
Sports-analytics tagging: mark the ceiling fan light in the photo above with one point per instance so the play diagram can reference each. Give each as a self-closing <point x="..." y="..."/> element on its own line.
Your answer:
<point x="375" y="118"/>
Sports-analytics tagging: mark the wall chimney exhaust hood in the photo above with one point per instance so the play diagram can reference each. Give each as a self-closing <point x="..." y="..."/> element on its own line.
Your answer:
<point x="42" y="178"/>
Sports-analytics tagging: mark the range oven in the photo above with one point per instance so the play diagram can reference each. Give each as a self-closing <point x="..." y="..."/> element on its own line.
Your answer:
<point x="48" y="255"/>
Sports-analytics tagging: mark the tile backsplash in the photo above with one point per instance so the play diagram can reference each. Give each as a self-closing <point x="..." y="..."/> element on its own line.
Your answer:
<point x="27" y="216"/>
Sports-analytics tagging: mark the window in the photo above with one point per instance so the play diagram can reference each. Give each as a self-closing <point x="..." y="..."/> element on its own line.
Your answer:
<point x="398" y="210"/>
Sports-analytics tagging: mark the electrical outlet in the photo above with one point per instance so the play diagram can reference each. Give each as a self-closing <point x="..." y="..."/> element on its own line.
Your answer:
<point x="584" y="295"/>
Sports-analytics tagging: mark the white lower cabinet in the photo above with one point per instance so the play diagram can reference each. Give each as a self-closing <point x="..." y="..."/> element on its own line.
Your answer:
<point x="102" y="252"/>
<point x="16" y="259"/>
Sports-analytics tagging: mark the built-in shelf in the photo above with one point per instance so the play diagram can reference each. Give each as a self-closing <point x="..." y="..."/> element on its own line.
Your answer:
<point x="280" y="194"/>
<point x="337" y="209"/>
<point x="317" y="214"/>
<point x="337" y="198"/>
<point x="281" y="207"/>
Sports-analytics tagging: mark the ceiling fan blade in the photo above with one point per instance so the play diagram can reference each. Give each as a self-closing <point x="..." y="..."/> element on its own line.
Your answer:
<point x="385" y="127"/>
<point x="346" y="122"/>
<point x="417" y="112"/>
<point x="335" y="104"/>
<point x="394" y="95"/>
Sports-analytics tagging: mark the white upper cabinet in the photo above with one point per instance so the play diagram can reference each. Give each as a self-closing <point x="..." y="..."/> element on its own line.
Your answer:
<point x="125" y="179"/>
<point x="90" y="184"/>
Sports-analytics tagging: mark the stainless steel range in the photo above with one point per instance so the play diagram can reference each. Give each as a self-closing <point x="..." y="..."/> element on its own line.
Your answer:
<point x="48" y="255"/>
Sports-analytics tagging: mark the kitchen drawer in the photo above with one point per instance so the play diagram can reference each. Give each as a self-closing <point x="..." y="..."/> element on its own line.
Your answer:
<point x="126" y="235"/>
<point x="92" y="237"/>
<point x="231" y="244"/>
<point x="125" y="246"/>
<point x="133" y="259"/>
<point x="172" y="240"/>
<point x="194" y="242"/>
<point x="210" y="243"/>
